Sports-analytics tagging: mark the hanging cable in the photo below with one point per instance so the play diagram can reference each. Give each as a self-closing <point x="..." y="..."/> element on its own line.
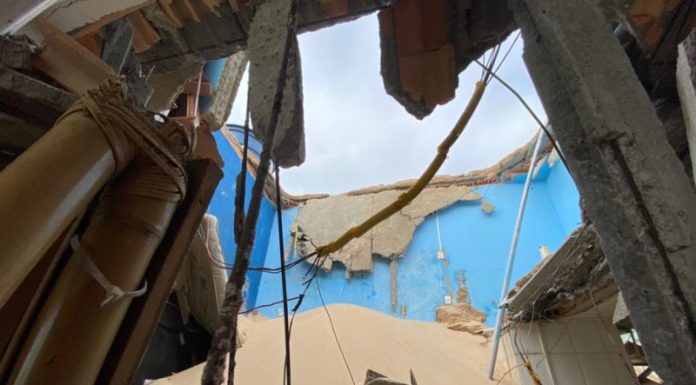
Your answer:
<point x="255" y="308"/>
<point x="225" y="335"/>
<point x="281" y="250"/>
<point x="333" y="329"/>
<point x="239" y="195"/>
<point x="519" y="97"/>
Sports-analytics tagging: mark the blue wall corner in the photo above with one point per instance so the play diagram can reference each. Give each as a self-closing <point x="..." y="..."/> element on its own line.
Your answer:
<point x="222" y="206"/>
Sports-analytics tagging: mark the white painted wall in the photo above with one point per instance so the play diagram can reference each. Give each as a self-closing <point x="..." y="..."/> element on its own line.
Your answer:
<point x="581" y="350"/>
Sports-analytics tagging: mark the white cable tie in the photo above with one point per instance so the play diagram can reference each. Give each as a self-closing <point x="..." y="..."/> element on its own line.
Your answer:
<point x="113" y="292"/>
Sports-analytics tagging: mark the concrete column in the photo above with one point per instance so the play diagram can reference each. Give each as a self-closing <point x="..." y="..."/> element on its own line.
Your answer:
<point x="686" y="86"/>
<point x="633" y="185"/>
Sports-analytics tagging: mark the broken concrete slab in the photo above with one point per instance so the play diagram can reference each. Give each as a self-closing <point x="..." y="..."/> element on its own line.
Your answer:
<point x="388" y="239"/>
<point x="426" y="44"/>
<point x="268" y="36"/>
<point x="167" y="85"/>
<point x="15" y="53"/>
<point x="41" y="101"/>
<point x="226" y="92"/>
<point x="634" y="188"/>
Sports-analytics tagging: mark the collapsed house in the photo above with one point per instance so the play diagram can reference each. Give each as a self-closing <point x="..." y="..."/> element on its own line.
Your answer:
<point x="103" y="199"/>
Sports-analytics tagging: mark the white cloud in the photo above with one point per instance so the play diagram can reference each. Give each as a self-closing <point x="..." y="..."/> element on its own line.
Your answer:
<point x="357" y="135"/>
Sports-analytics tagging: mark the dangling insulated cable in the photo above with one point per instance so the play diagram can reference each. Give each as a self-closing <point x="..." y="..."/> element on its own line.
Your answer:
<point x="281" y="250"/>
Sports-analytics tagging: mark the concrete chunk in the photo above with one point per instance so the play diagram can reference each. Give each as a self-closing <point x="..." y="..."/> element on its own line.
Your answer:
<point x="15" y="54"/>
<point x="266" y="46"/>
<point x="37" y="99"/>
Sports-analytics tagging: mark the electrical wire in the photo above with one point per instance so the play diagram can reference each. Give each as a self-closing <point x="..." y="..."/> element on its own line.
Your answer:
<point x="333" y="329"/>
<point x="512" y="45"/>
<point x="519" y="97"/>
<point x="281" y="251"/>
<point x="239" y="198"/>
<point x="255" y="308"/>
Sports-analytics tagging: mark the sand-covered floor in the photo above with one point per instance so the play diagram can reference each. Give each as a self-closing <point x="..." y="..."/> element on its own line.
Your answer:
<point x="370" y="340"/>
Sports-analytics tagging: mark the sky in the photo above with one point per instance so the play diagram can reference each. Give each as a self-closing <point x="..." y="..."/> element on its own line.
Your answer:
<point x="356" y="135"/>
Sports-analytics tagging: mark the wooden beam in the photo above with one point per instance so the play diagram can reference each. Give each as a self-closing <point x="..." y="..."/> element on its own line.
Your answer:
<point x="142" y="317"/>
<point x="67" y="62"/>
<point x="144" y="34"/>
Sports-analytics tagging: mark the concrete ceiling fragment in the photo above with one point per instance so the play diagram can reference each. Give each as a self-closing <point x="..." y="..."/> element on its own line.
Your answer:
<point x="266" y="46"/>
<point x="323" y="220"/>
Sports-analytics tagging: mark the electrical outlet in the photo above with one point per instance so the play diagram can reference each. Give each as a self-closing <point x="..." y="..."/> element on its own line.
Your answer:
<point x="441" y="254"/>
<point x="448" y="300"/>
<point x="279" y="312"/>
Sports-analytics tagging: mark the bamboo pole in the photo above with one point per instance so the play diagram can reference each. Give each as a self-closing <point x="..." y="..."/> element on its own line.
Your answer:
<point x="45" y="188"/>
<point x="73" y="333"/>
<point x="34" y="290"/>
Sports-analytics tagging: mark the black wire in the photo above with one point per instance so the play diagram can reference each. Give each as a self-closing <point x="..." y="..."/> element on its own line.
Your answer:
<point x="281" y="249"/>
<point x="512" y="45"/>
<point x="239" y="199"/>
<point x="531" y="112"/>
<point x="253" y="309"/>
<point x="333" y="329"/>
<point x="278" y="270"/>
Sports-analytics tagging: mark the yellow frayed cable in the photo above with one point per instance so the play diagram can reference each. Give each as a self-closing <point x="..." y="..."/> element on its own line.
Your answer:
<point x="404" y="199"/>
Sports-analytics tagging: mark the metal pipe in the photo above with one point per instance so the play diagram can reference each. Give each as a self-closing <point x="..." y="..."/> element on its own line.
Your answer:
<point x="18" y="13"/>
<point x="511" y="256"/>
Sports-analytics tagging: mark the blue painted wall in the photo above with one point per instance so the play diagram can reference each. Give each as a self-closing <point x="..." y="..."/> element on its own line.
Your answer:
<point x="222" y="206"/>
<point x="476" y="245"/>
<point x="565" y="196"/>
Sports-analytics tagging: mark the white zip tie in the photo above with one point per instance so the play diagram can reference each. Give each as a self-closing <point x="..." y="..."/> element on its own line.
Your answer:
<point x="113" y="292"/>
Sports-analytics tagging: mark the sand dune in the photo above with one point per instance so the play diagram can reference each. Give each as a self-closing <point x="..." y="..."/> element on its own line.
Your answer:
<point x="370" y="340"/>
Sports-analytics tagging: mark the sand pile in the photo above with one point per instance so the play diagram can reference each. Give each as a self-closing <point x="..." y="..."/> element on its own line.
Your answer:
<point x="370" y="340"/>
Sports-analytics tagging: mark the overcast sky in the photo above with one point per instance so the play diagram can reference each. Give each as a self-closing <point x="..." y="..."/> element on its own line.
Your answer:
<point x="357" y="135"/>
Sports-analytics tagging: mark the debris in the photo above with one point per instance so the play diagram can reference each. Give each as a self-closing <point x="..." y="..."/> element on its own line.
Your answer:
<point x="268" y="36"/>
<point x="388" y="239"/>
<point x="487" y="207"/>
<point x="462" y="316"/>
<point x="369" y="339"/>
<point x="226" y="91"/>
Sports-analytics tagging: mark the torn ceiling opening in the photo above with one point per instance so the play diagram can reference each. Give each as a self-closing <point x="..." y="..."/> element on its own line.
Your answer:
<point x="323" y="218"/>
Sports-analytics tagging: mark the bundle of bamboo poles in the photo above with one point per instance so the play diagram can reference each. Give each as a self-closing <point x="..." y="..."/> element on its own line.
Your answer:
<point x="102" y="143"/>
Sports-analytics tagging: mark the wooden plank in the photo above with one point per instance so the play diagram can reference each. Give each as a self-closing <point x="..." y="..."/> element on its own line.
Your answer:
<point x="192" y="88"/>
<point x="142" y="317"/>
<point x="66" y="61"/>
<point x="144" y="34"/>
<point x="168" y="7"/>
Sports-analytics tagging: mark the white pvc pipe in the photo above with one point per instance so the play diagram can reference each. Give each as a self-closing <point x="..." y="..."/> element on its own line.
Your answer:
<point x="18" y="13"/>
<point x="511" y="257"/>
